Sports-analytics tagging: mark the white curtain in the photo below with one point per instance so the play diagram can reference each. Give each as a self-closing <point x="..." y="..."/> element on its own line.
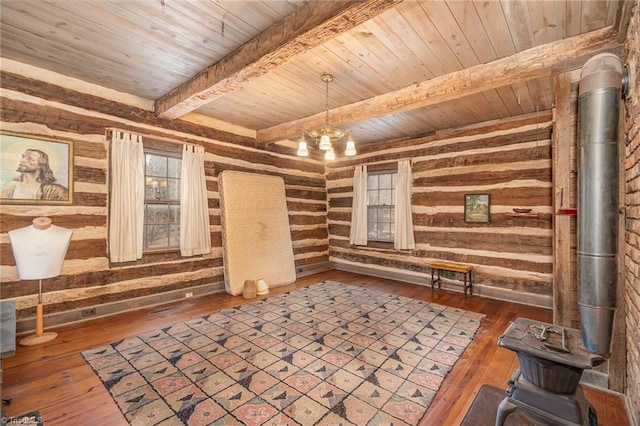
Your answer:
<point x="358" y="232"/>
<point x="126" y="214"/>
<point x="195" y="236"/>
<point x="404" y="239"/>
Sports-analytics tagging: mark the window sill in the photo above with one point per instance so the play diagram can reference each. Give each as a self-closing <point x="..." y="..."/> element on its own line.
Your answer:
<point x="381" y="246"/>
<point x="151" y="257"/>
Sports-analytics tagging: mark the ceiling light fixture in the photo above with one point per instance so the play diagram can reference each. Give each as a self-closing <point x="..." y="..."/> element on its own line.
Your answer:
<point x="326" y="134"/>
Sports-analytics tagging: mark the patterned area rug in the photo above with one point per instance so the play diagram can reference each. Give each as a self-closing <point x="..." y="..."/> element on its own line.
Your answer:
<point x="327" y="354"/>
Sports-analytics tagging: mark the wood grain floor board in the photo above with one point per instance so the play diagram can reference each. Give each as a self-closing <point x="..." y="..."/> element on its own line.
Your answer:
<point x="55" y="379"/>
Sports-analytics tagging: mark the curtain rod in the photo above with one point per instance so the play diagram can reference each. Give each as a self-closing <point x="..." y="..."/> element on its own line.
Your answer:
<point x="150" y="138"/>
<point x="375" y="163"/>
<point x="110" y="130"/>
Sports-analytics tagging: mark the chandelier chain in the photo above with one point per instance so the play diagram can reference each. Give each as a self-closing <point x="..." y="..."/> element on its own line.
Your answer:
<point x="326" y="102"/>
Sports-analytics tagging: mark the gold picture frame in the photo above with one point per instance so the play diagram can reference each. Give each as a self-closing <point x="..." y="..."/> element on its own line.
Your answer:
<point x="477" y="208"/>
<point x="35" y="170"/>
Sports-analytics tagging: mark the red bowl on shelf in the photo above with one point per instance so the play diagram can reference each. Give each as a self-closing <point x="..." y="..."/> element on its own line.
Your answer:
<point x="522" y="210"/>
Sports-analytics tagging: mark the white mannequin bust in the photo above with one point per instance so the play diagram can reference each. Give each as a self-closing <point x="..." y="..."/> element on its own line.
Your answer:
<point x="39" y="249"/>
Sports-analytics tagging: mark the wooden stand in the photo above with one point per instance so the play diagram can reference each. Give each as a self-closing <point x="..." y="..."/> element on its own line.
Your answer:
<point x="40" y="336"/>
<point x="465" y="270"/>
<point x="522" y="214"/>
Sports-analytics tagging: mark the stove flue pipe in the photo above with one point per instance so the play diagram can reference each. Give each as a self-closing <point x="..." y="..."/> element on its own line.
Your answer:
<point x="598" y="115"/>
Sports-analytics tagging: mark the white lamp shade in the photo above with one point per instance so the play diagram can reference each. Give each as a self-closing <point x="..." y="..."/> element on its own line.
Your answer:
<point x="325" y="142"/>
<point x="330" y="154"/>
<point x="351" y="148"/>
<point x="303" y="151"/>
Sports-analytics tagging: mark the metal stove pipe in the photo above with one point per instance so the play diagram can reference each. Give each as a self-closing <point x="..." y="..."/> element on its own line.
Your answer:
<point x="598" y="115"/>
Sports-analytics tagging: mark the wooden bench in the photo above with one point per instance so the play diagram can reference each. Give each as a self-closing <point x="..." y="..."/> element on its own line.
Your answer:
<point x="466" y="270"/>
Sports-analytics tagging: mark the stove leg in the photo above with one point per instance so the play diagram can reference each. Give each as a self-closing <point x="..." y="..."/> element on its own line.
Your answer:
<point x="504" y="409"/>
<point x="593" y="417"/>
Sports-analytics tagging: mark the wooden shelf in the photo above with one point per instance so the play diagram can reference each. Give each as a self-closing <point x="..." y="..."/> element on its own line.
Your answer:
<point x="522" y="214"/>
<point x="568" y="211"/>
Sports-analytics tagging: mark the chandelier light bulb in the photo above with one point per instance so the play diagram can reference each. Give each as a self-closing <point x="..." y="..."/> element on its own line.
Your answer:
<point x="325" y="142"/>
<point x="303" y="151"/>
<point x="330" y="154"/>
<point x="351" y="147"/>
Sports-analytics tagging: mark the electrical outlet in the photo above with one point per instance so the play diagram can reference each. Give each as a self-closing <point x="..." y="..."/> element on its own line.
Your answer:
<point x="189" y="294"/>
<point x="88" y="312"/>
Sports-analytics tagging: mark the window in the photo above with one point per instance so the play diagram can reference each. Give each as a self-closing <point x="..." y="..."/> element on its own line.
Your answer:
<point x="161" y="201"/>
<point x="380" y="205"/>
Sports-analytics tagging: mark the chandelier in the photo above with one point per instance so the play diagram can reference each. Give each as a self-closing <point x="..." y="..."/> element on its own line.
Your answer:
<point x="326" y="134"/>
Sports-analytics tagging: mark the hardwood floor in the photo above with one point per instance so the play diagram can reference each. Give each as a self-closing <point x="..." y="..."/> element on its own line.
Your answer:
<point x="54" y="378"/>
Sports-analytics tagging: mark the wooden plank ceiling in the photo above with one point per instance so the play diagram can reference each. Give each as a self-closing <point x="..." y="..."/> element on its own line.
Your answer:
<point x="401" y="68"/>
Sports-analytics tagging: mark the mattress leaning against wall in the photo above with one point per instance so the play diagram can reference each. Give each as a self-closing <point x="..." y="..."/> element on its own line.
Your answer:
<point x="256" y="240"/>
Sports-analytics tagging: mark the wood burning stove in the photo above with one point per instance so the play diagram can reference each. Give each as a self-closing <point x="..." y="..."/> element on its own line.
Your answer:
<point x="546" y="386"/>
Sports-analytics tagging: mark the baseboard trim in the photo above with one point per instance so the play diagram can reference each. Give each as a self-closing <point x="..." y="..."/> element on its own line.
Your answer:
<point x="28" y="325"/>
<point x="314" y="268"/>
<point x="507" y="295"/>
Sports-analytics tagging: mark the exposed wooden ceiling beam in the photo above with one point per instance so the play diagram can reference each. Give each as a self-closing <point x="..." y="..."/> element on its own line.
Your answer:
<point x="537" y="62"/>
<point x="304" y="29"/>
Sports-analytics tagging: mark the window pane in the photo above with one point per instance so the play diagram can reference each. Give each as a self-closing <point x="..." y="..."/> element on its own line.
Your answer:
<point x="174" y="167"/>
<point x="372" y="214"/>
<point x="385" y="181"/>
<point x="372" y="181"/>
<point x="372" y="198"/>
<point x="372" y="229"/>
<point x="150" y="187"/>
<point x="174" y="189"/>
<point x="174" y="235"/>
<point x="384" y="231"/>
<point x="175" y="213"/>
<point x="162" y="192"/>
<point x="156" y="165"/>
<point x="157" y="236"/>
<point x="386" y="215"/>
<point x="385" y="197"/>
<point x="157" y="213"/>
<point x="155" y="188"/>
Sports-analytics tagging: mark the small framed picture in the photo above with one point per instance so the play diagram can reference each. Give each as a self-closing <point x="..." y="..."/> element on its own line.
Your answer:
<point x="476" y="208"/>
<point x="35" y="170"/>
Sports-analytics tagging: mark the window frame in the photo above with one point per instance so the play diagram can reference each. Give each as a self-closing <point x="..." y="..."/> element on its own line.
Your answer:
<point x="165" y="150"/>
<point x="382" y="169"/>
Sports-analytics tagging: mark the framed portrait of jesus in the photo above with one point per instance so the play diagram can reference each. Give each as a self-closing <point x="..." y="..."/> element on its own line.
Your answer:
<point x="35" y="170"/>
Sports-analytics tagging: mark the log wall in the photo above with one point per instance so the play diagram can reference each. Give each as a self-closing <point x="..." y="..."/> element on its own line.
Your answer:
<point x="88" y="279"/>
<point x="510" y="160"/>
